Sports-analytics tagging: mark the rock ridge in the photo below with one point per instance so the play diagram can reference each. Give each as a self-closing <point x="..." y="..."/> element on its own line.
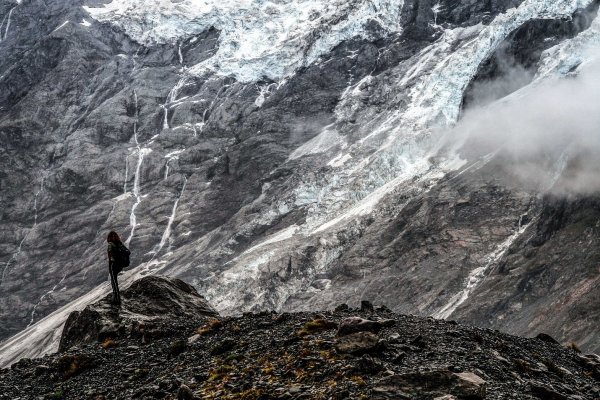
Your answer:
<point x="348" y="353"/>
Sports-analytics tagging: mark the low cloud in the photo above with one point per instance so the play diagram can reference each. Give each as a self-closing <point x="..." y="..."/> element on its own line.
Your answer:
<point x="547" y="134"/>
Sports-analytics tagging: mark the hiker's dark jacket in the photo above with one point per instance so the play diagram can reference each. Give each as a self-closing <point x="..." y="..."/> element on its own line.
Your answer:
<point x="112" y="251"/>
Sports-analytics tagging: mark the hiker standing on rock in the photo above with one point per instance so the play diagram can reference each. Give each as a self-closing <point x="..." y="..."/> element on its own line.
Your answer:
<point x="118" y="258"/>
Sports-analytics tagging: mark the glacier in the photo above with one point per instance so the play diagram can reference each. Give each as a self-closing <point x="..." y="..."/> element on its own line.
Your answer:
<point x="259" y="39"/>
<point x="395" y="150"/>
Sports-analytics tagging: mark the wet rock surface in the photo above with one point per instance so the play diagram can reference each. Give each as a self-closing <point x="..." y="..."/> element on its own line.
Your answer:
<point x="272" y="355"/>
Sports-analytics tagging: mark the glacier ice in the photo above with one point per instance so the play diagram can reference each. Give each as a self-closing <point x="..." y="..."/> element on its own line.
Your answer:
<point x="258" y="38"/>
<point x="571" y="54"/>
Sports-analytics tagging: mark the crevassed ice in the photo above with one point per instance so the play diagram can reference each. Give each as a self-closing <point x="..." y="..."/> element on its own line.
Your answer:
<point x="570" y="54"/>
<point x="439" y="96"/>
<point x="258" y="38"/>
<point x="437" y="87"/>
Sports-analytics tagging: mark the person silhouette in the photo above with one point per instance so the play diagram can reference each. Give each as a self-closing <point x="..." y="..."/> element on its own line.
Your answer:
<point x="114" y="264"/>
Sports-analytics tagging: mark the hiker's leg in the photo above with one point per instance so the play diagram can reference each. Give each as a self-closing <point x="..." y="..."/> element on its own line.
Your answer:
<point x="114" y="284"/>
<point x="117" y="287"/>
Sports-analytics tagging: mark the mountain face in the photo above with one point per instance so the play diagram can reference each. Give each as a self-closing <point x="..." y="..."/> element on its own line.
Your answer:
<point x="167" y="342"/>
<point x="434" y="156"/>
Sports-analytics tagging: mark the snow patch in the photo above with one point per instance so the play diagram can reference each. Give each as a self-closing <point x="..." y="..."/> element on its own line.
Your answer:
<point x="324" y="141"/>
<point x="61" y="26"/>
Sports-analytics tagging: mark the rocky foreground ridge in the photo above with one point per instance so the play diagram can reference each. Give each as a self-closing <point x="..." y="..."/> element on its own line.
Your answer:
<point x="167" y="342"/>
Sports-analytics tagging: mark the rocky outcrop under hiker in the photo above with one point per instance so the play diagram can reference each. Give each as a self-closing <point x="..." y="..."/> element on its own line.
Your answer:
<point x="153" y="306"/>
<point x="271" y="355"/>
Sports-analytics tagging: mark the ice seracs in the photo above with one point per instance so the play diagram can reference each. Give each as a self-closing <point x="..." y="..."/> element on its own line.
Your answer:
<point x="571" y="54"/>
<point x="257" y="39"/>
<point x="398" y="144"/>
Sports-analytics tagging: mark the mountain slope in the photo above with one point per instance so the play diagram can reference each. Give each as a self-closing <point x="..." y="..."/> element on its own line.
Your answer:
<point x="289" y="165"/>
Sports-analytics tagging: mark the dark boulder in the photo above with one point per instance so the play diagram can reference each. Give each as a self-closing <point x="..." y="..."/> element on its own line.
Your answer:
<point x="357" y="324"/>
<point x="546" y="338"/>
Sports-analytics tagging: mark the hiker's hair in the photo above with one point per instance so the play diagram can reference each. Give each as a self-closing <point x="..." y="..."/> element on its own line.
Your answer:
<point x="113" y="237"/>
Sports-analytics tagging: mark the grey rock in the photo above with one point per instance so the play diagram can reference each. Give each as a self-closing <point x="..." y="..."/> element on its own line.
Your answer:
<point x="546" y="392"/>
<point x="357" y="343"/>
<point x="437" y="383"/>
<point x="366" y="305"/>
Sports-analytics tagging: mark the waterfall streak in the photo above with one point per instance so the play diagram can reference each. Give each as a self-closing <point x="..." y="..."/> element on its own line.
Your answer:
<point x="19" y="247"/>
<point x="126" y="174"/>
<point x="141" y="152"/>
<point x="13" y="258"/>
<point x="167" y="233"/>
<point x="7" y="25"/>
<point x="477" y="275"/>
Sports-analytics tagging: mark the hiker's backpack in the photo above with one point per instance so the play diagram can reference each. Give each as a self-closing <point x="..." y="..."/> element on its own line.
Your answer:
<point x="121" y="257"/>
